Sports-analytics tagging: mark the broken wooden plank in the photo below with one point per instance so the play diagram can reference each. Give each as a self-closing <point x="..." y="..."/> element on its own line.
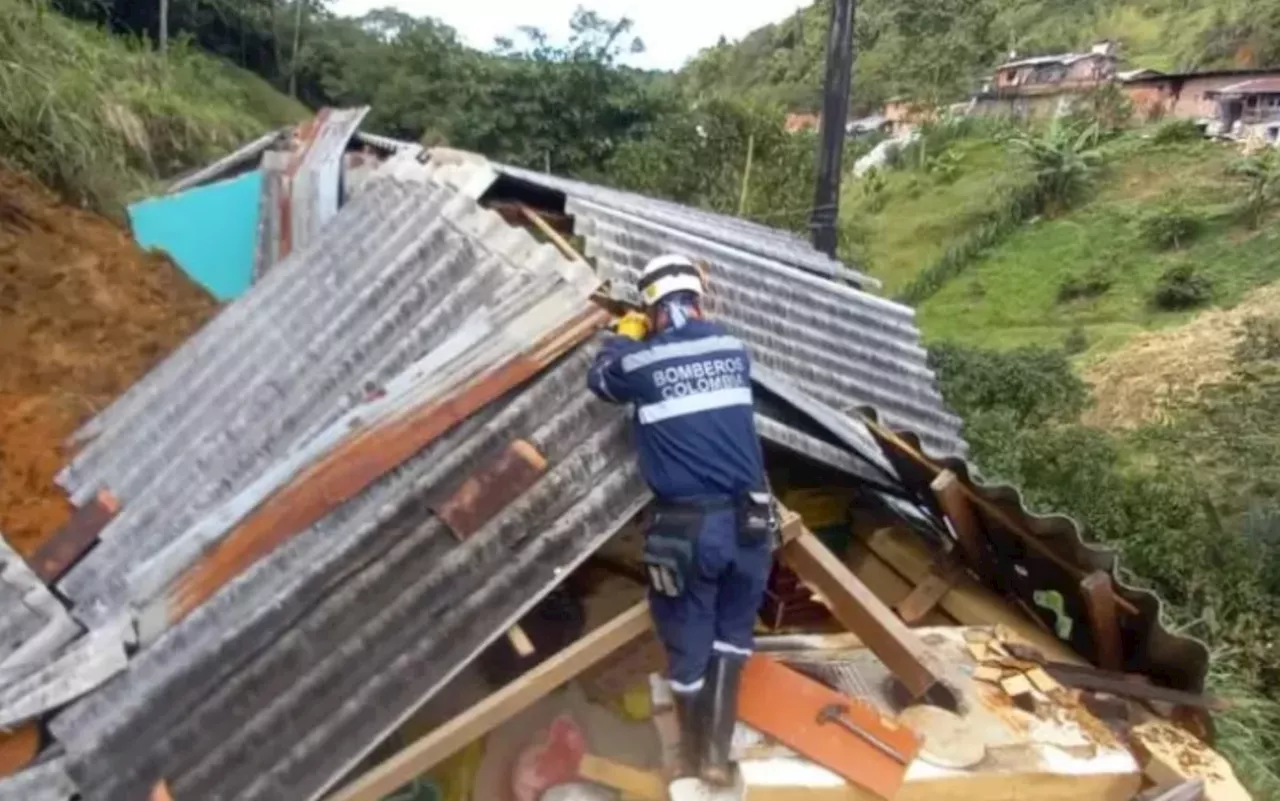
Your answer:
<point x="161" y="792"/>
<point x="1016" y="685"/>
<point x="988" y="673"/>
<point x="929" y="592"/>
<point x="1174" y="756"/>
<point x="948" y="490"/>
<point x="968" y="602"/>
<point x="994" y="512"/>
<point x="1043" y="681"/>
<point x="632" y="782"/>
<point x="357" y="462"/>
<point x="861" y="612"/>
<point x="489" y="490"/>
<point x="1089" y="678"/>
<point x="493" y="711"/>
<point x="68" y="544"/>
<point x="887" y="584"/>
<point x="978" y="651"/>
<point x="1100" y="601"/>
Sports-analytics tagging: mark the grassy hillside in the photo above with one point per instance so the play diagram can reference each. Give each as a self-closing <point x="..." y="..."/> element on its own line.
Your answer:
<point x="939" y="48"/>
<point x="1019" y="292"/>
<point x="98" y="117"/>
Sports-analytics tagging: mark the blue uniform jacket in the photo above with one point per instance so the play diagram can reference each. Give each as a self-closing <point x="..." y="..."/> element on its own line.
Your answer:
<point x="694" y="421"/>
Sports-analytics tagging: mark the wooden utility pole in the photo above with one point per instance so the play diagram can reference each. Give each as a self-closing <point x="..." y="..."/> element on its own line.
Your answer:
<point x="164" y="26"/>
<point x="835" y="113"/>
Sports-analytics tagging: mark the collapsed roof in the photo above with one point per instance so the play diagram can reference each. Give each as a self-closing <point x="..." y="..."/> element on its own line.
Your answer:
<point x="271" y="658"/>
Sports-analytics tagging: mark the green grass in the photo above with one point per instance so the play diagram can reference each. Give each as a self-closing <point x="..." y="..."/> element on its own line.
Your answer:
<point x="923" y="214"/>
<point x="1010" y="297"/>
<point x="99" y="118"/>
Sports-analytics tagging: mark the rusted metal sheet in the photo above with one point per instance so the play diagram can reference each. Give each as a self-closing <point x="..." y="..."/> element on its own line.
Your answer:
<point x="56" y="556"/>
<point x="861" y="612"/>
<point x="488" y="490"/>
<point x="357" y="463"/>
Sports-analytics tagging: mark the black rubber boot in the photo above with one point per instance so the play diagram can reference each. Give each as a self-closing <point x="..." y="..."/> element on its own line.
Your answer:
<point x="720" y="716"/>
<point x="688" y="711"/>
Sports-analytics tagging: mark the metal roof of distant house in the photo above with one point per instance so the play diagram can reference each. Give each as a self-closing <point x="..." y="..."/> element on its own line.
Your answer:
<point x="1182" y="77"/>
<point x="1254" y="86"/>
<point x="1066" y="59"/>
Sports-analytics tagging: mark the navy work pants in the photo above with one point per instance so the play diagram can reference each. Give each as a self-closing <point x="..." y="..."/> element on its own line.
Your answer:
<point x="718" y="591"/>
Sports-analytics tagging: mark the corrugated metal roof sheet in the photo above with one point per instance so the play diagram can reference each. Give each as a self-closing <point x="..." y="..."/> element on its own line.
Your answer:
<point x="316" y="173"/>
<point x="841" y="344"/>
<point x="286" y="677"/>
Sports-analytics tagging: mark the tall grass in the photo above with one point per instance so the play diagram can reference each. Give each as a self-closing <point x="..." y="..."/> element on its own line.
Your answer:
<point x="98" y="117"/>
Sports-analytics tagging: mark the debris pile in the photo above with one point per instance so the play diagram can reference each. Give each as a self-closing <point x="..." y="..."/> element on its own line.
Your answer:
<point x="83" y="314"/>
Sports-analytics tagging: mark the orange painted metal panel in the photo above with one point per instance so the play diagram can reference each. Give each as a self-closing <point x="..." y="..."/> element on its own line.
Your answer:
<point x="786" y="705"/>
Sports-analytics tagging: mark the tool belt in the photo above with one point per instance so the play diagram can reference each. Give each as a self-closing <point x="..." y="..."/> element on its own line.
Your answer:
<point x="670" y="545"/>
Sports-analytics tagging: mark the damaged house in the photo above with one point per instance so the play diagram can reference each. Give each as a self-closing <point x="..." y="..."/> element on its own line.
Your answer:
<point x="299" y="535"/>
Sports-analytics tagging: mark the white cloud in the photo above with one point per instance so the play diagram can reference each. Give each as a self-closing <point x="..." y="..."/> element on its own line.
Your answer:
<point x="673" y="30"/>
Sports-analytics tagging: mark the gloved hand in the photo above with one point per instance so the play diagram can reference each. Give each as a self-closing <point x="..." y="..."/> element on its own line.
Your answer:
<point x="632" y="325"/>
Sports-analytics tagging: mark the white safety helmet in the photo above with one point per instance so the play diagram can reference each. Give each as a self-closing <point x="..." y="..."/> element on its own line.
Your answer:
<point x="667" y="275"/>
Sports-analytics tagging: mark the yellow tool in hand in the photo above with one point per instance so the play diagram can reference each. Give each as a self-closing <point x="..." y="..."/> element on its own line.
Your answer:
<point x="633" y="325"/>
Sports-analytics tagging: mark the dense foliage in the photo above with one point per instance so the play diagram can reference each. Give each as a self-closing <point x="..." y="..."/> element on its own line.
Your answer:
<point x="933" y="51"/>
<point x="1214" y="557"/>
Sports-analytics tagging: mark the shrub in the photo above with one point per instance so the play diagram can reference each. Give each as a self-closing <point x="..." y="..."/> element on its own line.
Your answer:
<point x="1176" y="131"/>
<point x="1065" y="160"/>
<point x="1076" y="341"/>
<point x="1032" y="385"/>
<point x="1182" y="287"/>
<point x="1261" y="174"/>
<point x="1170" y="226"/>
<point x="1092" y="284"/>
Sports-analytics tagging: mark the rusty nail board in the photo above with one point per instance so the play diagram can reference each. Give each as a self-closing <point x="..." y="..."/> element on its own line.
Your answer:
<point x="864" y="614"/>
<point x="489" y="490"/>
<point x="357" y="463"/>
<point x="1100" y="600"/>
<point x="68" y="544"/>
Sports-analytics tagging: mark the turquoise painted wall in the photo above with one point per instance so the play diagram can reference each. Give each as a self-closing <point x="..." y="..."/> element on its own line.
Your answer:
<point x="211" y="231"/>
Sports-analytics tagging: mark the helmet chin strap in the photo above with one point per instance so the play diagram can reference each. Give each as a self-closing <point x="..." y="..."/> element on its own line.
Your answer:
<point x="676" y="313"/>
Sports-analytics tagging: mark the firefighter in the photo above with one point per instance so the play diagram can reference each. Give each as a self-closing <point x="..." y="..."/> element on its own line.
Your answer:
<point x="708" y="549"/>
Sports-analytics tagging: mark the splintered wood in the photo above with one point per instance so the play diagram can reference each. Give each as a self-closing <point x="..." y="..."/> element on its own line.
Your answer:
<point x="1020" y="678"/>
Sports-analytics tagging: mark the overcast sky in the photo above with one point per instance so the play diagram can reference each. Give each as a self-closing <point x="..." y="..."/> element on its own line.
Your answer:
<point x="672" y="30"/>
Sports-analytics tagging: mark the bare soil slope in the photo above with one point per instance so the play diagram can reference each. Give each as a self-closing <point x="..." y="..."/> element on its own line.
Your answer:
<point x="1156" y="371"/>
<point x="83" y="314"/>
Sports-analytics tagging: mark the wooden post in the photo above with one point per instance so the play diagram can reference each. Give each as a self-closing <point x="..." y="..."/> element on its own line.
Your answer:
<point x="498" y="708"/>
<point x="1100" y="600"/>
<point x="861" y="612"/>
<point x="955" y="505"/>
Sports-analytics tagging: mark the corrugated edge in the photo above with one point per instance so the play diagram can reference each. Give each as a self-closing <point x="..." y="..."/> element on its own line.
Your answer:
<point x="245" y="154"/>
<point x="1068" y="538"/>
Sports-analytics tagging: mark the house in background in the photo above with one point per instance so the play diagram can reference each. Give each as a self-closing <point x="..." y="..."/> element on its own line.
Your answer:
<point x="1054" y="74"/>
<point x="1197" y="95"/>
<point x="798" y="123"/>
<point x="1043" y="86"/>
<point x="1249" y="109"/>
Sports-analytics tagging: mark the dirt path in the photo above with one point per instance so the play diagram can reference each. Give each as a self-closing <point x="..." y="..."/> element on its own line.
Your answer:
<point x="1154" y="371"/>
<point x="83" y="314"/>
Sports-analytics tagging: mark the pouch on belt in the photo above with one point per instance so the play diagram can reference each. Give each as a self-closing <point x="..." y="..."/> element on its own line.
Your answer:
<point x="757" y="519"/>
<point x="669" y="549"/>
